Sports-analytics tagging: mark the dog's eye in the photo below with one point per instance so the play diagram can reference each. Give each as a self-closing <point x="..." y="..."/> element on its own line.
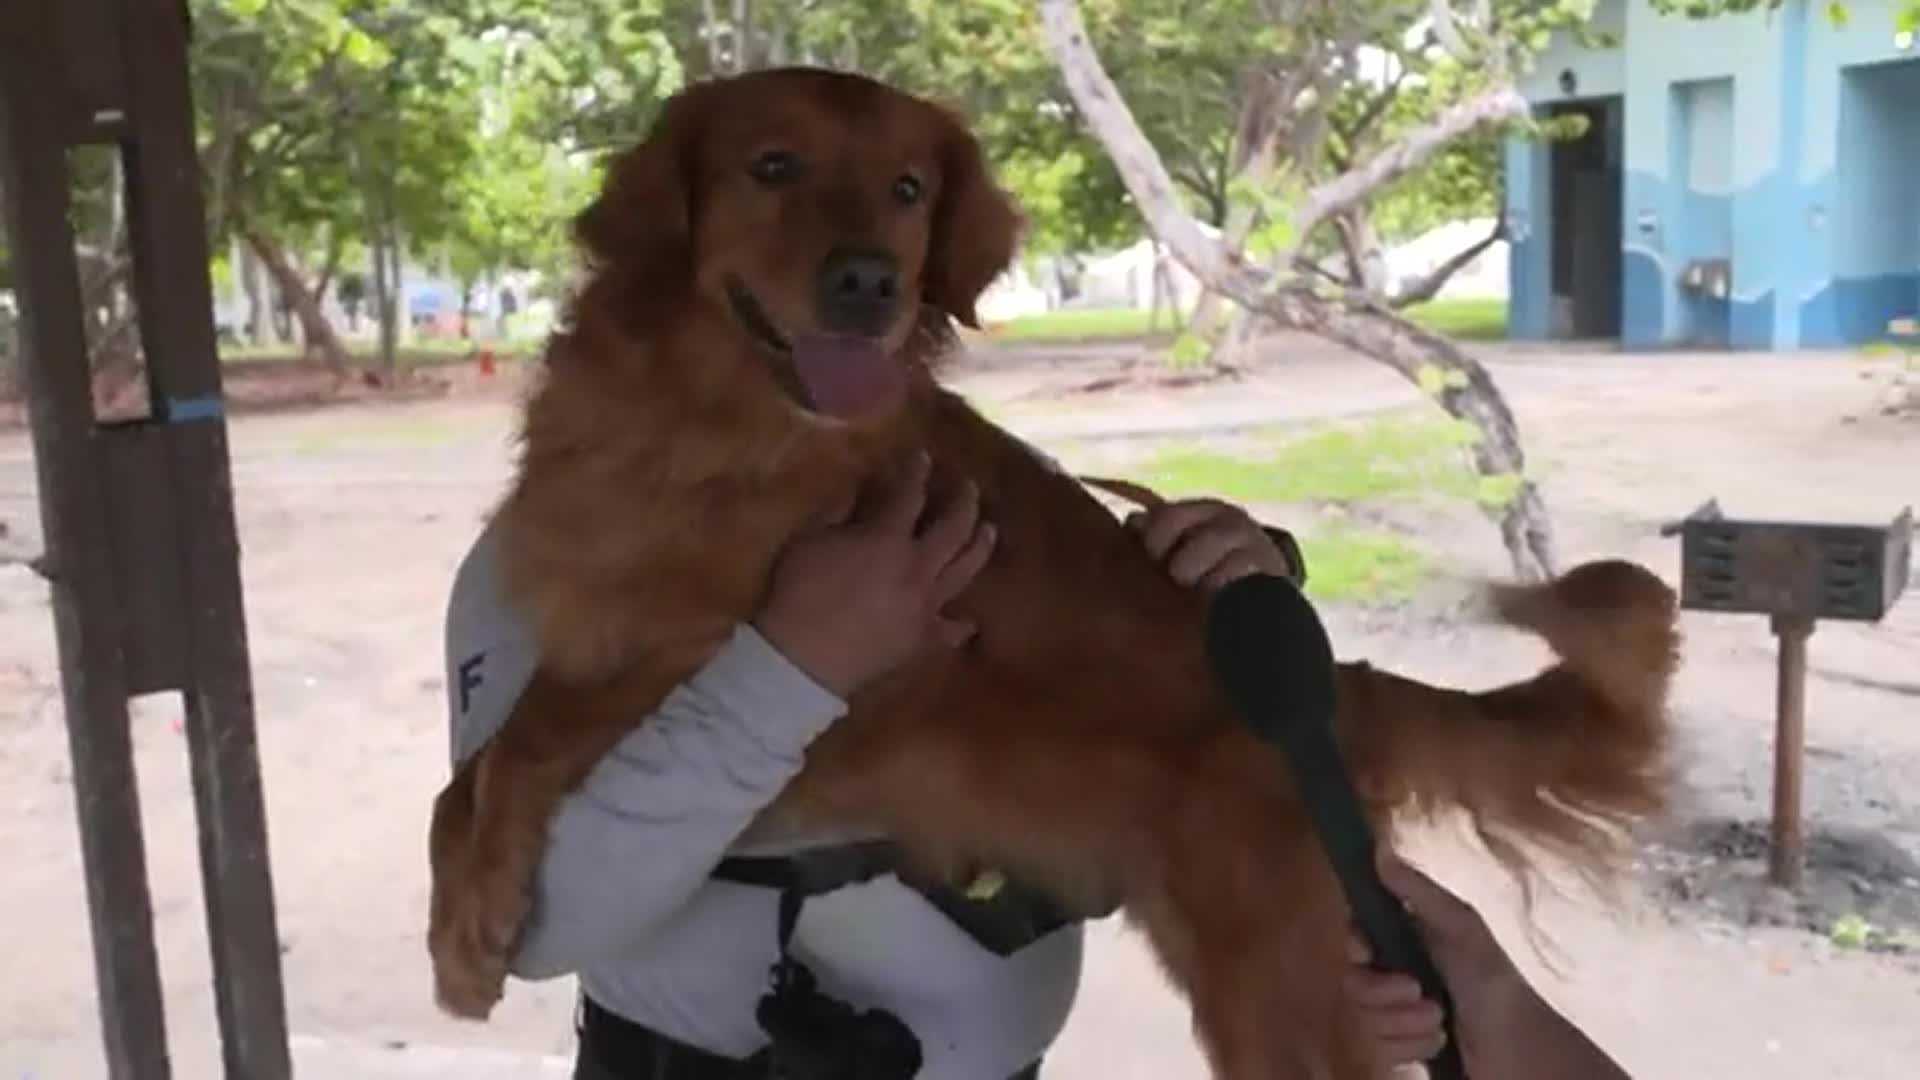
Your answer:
<point x="906" y="190"/>
<point x="774" y="167"/>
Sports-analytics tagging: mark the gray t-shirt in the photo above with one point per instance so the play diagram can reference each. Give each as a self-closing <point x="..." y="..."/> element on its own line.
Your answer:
<point x="624" y="898"/>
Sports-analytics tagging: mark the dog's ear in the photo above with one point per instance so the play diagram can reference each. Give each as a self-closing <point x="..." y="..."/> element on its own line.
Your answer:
<point x="641" y="223"/>
<point x="976" y="227"/>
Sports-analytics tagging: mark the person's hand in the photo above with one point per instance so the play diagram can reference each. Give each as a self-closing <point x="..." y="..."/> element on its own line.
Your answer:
<point x="856" y="598"/>
<point x="1207" y="542"/>
<point x="1506" y="1029"/>
<point x="1402" y="1026"/>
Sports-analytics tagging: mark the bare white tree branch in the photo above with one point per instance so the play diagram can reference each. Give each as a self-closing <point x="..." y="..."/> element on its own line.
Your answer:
<point x="1409" y="153"/>
<point x="1357" y="320"/>
<point x="1425" y="288"/>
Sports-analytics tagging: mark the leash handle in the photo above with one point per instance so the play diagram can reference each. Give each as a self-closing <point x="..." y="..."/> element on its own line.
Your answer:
<point x="1275" y="663"/>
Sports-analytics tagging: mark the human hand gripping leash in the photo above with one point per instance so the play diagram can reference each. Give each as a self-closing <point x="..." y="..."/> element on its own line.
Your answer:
<point x="1273" y="659"/>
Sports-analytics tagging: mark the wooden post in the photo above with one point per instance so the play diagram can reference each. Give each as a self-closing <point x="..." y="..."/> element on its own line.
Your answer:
<point x="142" y="551"/>
<point x="1788" y="857"/>
<point x="1795" y="573"/>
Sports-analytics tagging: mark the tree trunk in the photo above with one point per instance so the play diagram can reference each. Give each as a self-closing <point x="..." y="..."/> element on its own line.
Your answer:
<point x="397" y="323"/>
<point x="1208" y="312"/>
<point x="318" y="333"/>
<point x="259" y="315"/>
<point x="1467" y="392"/>
<point x="386" y="305"/>
<point x="283" y="317"/>
<point x="9" y="355"/>
<point x="336" y="246"/>
<point x="743" y="53"/>
<point x="1244" y="328"/>
<point x="1367" y="258"/>
<point x="1461" y="385"/>
<point x="1256" y="142"/>
<point x="710" y="30"/>
<point x="384" y="245"/>
<point x="1158" y="289"/>
<point x="1423" y="289"/>
<point x="382" y="288"/>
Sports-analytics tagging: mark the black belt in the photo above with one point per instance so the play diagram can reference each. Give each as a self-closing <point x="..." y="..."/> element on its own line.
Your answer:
<point x="624" y="1050"/>
<point x="628" y="1051"/>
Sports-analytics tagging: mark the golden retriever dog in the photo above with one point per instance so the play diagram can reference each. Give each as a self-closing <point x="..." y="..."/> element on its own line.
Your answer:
<point x="774" y="274"/>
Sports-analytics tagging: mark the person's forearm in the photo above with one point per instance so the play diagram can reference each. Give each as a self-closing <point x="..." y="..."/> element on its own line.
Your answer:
<point x="658" y="813"/>
<point x="1563" y="1049"/>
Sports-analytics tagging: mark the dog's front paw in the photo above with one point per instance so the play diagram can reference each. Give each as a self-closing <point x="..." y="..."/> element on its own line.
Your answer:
<point x="473" y="943"/>
<point x="477" y="918"/>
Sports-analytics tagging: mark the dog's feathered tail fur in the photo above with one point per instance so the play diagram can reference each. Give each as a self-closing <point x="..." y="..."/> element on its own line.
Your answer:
<point x="1563" y="760"/>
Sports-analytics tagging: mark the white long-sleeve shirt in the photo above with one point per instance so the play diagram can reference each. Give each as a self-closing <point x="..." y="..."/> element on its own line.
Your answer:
<point x="624" y="897"/>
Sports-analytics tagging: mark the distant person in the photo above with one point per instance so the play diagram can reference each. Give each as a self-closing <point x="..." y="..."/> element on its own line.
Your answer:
<point x="1507" y="1030"/>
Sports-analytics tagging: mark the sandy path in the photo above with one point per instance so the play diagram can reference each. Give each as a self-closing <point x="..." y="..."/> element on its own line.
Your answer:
<point x="353" y="518"/>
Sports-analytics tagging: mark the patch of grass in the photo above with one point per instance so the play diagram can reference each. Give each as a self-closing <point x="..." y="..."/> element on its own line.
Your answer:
<point x="1463" y="320"/>
<point x="1851" y="932"/>
<point x="1382" y="458"/>
<point x="1077" y="325"/>
<point x="242" y="355"/>
<point x="400" y="433"/>
<point x="1350" y="565"/>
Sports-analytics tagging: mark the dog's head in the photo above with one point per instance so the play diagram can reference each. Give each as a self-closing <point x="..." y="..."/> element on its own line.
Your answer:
<point x="819" y="214"/>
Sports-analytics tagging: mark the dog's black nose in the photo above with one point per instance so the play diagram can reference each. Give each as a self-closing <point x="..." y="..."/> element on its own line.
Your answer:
<point x="859" y="292"/>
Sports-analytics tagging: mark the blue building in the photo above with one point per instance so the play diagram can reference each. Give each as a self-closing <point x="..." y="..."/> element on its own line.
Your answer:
<point x="1751" y="181"/>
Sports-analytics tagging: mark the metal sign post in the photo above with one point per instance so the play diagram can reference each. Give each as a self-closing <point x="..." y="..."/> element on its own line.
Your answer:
<point x="1795" y="573"/>
<point x="138" y="516"/>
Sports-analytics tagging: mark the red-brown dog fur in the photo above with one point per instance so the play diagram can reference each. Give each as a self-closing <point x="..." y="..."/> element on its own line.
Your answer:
<point x="1079" y="742"/>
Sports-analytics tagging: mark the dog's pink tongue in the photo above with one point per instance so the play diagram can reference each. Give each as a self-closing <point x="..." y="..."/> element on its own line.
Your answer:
<point x="848" y="377"/>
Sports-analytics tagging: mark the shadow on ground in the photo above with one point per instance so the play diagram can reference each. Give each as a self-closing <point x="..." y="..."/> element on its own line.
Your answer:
<point x="1860" y="889"/>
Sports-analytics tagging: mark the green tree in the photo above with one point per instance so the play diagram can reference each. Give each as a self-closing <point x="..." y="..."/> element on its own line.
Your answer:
<point x="335" y="130"/>
<point x="1906" y="15"/>
<point x="511" y="214"/>
<point x="986" y="59"/>
<point x="1363" y="97"/>
<point x="274" y="84"/>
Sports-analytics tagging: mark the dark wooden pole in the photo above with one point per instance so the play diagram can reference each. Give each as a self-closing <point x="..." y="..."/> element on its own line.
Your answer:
<point x="142" y="549"/>
<point x="75" y="519"/>
<point x="168" y="219"/>
<point x="1789" y="750"/>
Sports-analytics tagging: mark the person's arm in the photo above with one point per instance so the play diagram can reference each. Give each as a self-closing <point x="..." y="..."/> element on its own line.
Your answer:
<point x="655" y="816"/>
<point x="645" y="830"/>
<point x="1507" y="1031"/>
<point x="845" y="603"/>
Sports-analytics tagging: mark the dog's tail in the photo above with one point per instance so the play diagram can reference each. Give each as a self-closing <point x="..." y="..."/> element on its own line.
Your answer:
<point x="1565" y="761"/>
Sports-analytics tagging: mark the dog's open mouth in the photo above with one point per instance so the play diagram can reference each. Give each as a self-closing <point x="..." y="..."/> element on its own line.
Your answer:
<point x="839" y="375"/>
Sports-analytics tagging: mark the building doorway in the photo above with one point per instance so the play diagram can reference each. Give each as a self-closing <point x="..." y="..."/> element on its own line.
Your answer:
<point x="1585" y="198"/>
<point x="1876" y="252"/>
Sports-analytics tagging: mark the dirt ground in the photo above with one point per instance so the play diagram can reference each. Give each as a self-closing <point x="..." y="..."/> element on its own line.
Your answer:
<point x="353" y="517"/>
